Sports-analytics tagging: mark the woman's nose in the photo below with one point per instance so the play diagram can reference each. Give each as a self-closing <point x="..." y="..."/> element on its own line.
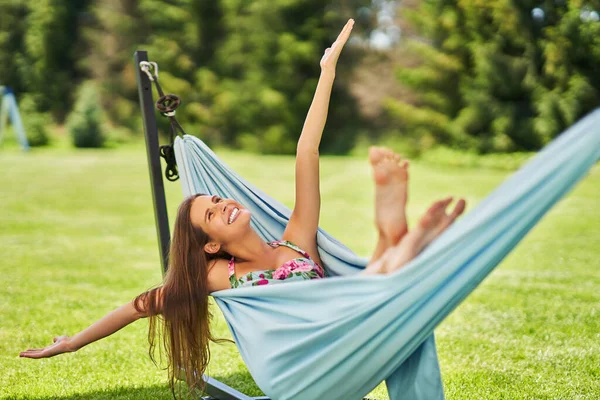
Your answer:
<point x="217" y="208"/>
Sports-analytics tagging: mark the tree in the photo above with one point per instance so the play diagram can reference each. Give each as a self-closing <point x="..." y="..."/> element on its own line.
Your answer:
<point x="112" y="30"/>
<point x="12" y="30"/>
<point x="491" y="77"/>
<point x="568" y="43"/>
<point x="257" y="89"/>
<point x="245" y="69"/>
<point x="50" y="66"/>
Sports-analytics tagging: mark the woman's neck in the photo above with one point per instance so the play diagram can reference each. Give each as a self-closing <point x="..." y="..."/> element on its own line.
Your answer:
<point x="252" y="248"/>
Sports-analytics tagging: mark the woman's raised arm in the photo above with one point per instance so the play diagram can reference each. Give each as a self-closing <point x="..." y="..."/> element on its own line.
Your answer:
<point x="305" y="217"/>
<point x="106" y="326"/>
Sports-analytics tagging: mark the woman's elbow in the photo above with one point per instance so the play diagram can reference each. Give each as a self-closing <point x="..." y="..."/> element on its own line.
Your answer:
<point x="307" y="148"/>
<point x="148" y="304"/>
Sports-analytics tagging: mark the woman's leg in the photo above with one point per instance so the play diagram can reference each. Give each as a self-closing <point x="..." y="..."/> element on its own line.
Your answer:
<point x="390" y="174"/>
<point x="429" y="227"/>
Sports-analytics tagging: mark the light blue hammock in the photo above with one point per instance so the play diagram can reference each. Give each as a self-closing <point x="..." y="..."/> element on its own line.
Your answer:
<point x="338" y="338"/>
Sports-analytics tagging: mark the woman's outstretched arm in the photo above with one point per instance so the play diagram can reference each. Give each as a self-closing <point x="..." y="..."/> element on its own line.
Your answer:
<point x="106" y="326"/>
<point x="305" y="217"/>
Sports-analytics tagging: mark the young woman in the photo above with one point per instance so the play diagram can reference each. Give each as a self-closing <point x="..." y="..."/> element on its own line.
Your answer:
<point x="214" y="247"/>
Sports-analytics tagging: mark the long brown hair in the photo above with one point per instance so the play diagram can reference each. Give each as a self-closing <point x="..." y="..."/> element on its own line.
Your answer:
<point x="178" y="310"/>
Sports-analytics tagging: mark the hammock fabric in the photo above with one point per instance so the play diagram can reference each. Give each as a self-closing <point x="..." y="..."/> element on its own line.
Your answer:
<point x="338" y="338"/>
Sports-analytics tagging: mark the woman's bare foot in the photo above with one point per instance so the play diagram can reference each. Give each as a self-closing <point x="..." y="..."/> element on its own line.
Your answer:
<point x="430" y="226"/>
<point x="435" y="221"/>
<point x="391" y="191"/>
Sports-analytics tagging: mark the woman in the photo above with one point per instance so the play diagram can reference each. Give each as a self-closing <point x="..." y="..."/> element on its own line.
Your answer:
<point x="214" y="247"/>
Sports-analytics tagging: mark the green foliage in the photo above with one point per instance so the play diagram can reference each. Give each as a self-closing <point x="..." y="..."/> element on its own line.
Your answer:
<point x="269" y="74"/>
<point x="493" y="78"/>
<point x="571" y="87"/>
<point x="12" y="30"/>
<point x="34" y="122"/>
<point x="245" y="70"/>
<point x="479" y="75"/>
<point x="85" y="122"/>
<point x="49" y="66"/>
<point x="115" y="30"/>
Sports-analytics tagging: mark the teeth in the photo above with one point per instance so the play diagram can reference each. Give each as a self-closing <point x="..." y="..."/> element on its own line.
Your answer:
<point x="233" y="214"/>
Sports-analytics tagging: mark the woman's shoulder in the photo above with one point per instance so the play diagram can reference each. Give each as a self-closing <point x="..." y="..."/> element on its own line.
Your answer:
<point x="218" y="275"/>
<point x="305" y="245"/>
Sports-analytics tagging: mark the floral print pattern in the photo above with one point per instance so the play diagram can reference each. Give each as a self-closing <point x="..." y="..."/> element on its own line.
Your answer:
<point x="301" y="268"/>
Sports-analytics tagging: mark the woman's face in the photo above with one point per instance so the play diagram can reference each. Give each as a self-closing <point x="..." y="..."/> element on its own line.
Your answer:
<point x="222" y="219"/>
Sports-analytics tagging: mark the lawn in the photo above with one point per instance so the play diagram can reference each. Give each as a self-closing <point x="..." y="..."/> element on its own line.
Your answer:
<point x="78" y="239"/>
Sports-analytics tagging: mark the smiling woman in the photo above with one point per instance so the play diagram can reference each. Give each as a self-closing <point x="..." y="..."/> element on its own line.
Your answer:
<point x="215" y="215"/>
<point x="215" y="248"/>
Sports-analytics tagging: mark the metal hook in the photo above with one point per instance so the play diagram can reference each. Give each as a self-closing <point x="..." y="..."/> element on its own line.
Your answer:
<point x="146" y="66"/>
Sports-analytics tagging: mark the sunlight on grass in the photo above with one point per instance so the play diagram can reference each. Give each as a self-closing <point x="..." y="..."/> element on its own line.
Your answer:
<point x="78" y="239"/>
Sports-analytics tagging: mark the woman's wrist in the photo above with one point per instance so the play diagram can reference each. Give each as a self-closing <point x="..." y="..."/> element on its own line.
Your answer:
<point x="328" y="74"/>
<point x="71" y="345"/>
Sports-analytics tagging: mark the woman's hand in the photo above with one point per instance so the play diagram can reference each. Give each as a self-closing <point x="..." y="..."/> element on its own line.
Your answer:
<point x="61" y="345"/>
<point x="330" y="58"/>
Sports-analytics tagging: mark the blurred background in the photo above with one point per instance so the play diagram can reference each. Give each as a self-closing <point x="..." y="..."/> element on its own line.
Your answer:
<point x="473" y="76"/>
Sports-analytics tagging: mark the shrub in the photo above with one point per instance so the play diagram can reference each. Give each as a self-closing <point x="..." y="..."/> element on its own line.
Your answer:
<point x="85" y="121"/>
<point x="34" y="122"/>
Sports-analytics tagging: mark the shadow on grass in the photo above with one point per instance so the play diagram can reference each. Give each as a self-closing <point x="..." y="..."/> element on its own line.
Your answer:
<point x="241" y="381"/>
<point x="119" y="393"/>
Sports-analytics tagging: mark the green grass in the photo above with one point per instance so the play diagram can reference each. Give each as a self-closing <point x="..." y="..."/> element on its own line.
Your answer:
<point x="78" y="239"/>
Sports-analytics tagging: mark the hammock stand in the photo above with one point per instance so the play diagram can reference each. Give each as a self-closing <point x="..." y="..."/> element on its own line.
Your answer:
<point x="214" y="388"/>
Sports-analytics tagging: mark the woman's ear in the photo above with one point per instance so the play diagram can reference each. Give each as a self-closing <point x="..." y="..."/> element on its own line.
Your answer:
<point x="212" y="247"/>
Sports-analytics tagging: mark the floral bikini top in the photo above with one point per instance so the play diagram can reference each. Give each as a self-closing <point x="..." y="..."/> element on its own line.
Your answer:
<point x="300" y="268"/>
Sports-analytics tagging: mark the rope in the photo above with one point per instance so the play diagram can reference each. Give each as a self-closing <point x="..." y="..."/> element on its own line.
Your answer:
<point x="166" y="105"/>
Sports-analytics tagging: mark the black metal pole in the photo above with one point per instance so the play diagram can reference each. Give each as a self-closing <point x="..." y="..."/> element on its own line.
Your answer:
<point x="213" y="387"/>
<point x="152" y="150"/>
